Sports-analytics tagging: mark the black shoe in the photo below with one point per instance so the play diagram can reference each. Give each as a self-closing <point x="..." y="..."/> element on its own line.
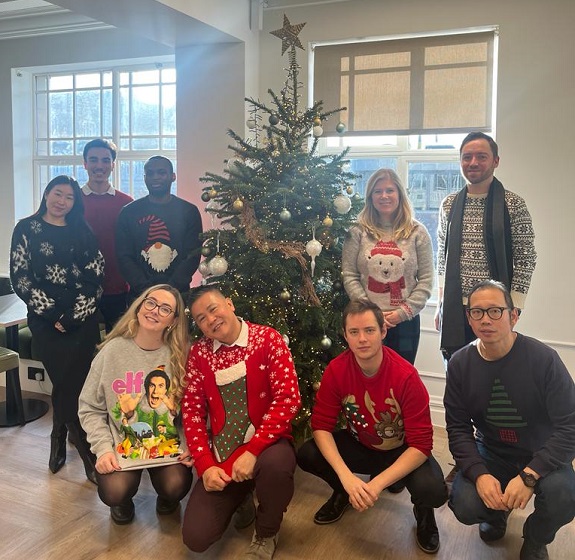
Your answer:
<point x="427" y="534"/>
<point x="333" y="509"/>
<point x="165" y="507"/>
<point x="246" y="513"/>
<point x="489" y="532"/>
<point x="122" y="515"/>
<point x="57" y="447"/>
<point x="396" y="487"/>
<point x="532" y="550"/>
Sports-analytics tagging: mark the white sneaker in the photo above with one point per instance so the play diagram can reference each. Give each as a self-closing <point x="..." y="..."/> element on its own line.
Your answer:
<point x="262" y="548"/>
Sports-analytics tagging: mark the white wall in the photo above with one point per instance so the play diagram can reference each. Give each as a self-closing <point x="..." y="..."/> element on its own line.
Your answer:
<point x="535" y="122"/>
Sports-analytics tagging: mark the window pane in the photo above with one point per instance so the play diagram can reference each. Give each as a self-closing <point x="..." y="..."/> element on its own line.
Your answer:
<point x="169" y="109"/>
<point x="145" y="144"/>
<point x="61" y="148"/>
<point x="124" y="111"/>
<point x="41" y="115"/>
<point x="107" y="78"/>
<point x="169" y="143"/>
<point x="435" y="141"/>
<point x="168" y="75"/>
<point x="146" y="77"/>
<point x="61" y="82"/>
<point x="145" y="110"/>
<point x="107" y="113"/>
<point x="88" y="80"/>
<point x="429" y="183"/>
<point x="88" y="113"/>
<point x="365" y="167"/>
<point x="61" y="115"/>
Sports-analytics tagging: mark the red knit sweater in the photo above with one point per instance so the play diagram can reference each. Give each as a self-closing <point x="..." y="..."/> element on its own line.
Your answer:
<point x="384" y="411"/>
<point x="249" y="394"/>
<point x="101" y="212"/>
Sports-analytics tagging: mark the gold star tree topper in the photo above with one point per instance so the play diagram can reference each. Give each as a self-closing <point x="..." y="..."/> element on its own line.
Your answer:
<point x="289" y="35"/>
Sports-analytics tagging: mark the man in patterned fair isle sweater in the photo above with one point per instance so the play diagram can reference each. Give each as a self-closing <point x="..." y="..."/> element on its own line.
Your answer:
<point x="242" y="384"/>
<point x="388" y="436"/>
<point x="510" y="411"/>
<point x="484" y="231"/>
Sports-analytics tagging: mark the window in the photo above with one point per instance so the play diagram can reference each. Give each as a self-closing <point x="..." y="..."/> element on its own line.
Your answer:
<point x="409" y="102"/>
<point x="135" y="107"/>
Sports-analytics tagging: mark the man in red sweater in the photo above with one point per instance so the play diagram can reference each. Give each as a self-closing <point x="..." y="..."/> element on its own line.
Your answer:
<point x="389" y="435"/>
<point x="102" y="205"/>
<point x="241" y="382"/>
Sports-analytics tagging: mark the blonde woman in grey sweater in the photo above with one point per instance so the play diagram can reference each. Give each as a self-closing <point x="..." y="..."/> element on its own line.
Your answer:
<point x="129" y="406"/>
<point x="388" y="259"/>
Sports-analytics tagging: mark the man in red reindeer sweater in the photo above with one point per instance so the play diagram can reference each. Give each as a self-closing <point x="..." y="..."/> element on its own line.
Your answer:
<point x="242" y="383"/>
<point x="388" y="436"/>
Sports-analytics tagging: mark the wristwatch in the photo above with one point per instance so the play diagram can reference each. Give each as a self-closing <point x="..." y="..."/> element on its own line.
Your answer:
<point x="528" y="479"/>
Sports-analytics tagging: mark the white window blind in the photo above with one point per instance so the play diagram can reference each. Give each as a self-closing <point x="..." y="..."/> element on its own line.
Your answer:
<point x="422" y="85"/>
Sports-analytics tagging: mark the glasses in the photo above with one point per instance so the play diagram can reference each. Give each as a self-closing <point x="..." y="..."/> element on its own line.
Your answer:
<point x="495" y="313"/>
<point x="163" y="310"/>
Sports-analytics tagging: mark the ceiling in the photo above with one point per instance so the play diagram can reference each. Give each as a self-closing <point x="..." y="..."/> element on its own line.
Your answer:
<point x="26" y="18"/>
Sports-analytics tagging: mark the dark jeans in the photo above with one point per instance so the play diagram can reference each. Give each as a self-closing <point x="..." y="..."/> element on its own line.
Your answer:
<point x="404" y="339"/>
<point x="209" y="513"/>
<point x="554" y="498"/>
<point x="425" y="484"/>
<point x="112" y="307"/>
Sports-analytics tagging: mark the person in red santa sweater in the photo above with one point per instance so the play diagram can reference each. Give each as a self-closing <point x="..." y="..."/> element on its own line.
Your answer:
<point x="388" y="434"/>
<point x="243" y="385"/>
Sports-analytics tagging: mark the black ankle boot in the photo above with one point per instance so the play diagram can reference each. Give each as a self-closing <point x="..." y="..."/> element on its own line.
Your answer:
<point x="83" y="447"/>
<point x="57" y="446"/>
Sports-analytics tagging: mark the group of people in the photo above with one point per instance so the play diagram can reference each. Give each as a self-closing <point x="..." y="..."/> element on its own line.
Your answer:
<point x="82" y="257"/>
<point x="226" y="406"/>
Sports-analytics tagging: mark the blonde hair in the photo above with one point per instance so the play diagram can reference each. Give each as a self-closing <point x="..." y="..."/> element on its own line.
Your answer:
<point x="403" y="222"/>
<point x="175" y="338"/>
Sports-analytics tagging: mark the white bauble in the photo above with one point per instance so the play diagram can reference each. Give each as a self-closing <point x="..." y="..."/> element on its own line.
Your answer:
<point x="218" y="265"/>
<point x="342" y="204"/>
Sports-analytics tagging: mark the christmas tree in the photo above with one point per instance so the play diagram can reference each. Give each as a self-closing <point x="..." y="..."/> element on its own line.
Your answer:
<point x="280" y="213"/>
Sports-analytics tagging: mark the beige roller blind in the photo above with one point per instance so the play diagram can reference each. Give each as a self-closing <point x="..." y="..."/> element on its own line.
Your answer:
<point x="423" y="85"/>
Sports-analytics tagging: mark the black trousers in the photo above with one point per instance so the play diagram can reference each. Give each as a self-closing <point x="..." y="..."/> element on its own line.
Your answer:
<point x="425" y="484"/>
<point x="67" y="358"/>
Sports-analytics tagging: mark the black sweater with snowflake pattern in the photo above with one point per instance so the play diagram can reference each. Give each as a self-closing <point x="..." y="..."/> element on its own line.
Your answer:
<point x="56" y="271"/>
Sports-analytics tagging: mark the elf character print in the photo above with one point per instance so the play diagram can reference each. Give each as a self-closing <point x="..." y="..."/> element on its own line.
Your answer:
<point x="385" y="265"/>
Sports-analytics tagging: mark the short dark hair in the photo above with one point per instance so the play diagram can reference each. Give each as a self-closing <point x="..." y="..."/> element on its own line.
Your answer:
<point x="170" y="164"/>
<point x="481" y="136"/>
<point x="358" y="306"/>
<point x="492" y="284"/>
<point x="156" y="373"/>
<point x="100" y="143"/>
<point x="196" y="293"/>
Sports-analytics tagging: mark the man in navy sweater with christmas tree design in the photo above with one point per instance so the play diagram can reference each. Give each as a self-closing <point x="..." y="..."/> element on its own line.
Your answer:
<point x="510" y="410"/>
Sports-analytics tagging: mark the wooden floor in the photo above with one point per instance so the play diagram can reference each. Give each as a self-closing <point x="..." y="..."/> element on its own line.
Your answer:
<point x="49" y="517"/>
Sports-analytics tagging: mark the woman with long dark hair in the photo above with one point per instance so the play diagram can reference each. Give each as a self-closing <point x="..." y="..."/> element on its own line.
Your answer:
<point x="57" y="270"/>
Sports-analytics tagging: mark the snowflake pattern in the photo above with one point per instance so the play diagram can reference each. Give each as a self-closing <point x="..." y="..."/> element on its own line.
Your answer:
<point x="84" y="307"/>
<point x="97" y="265"/>
<point x="40" y="301"/>
<point x="47" y="249"/>
<point x="36" y="226"/>
<point x="24" y="284"/>
<point x="56" y="274"/>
